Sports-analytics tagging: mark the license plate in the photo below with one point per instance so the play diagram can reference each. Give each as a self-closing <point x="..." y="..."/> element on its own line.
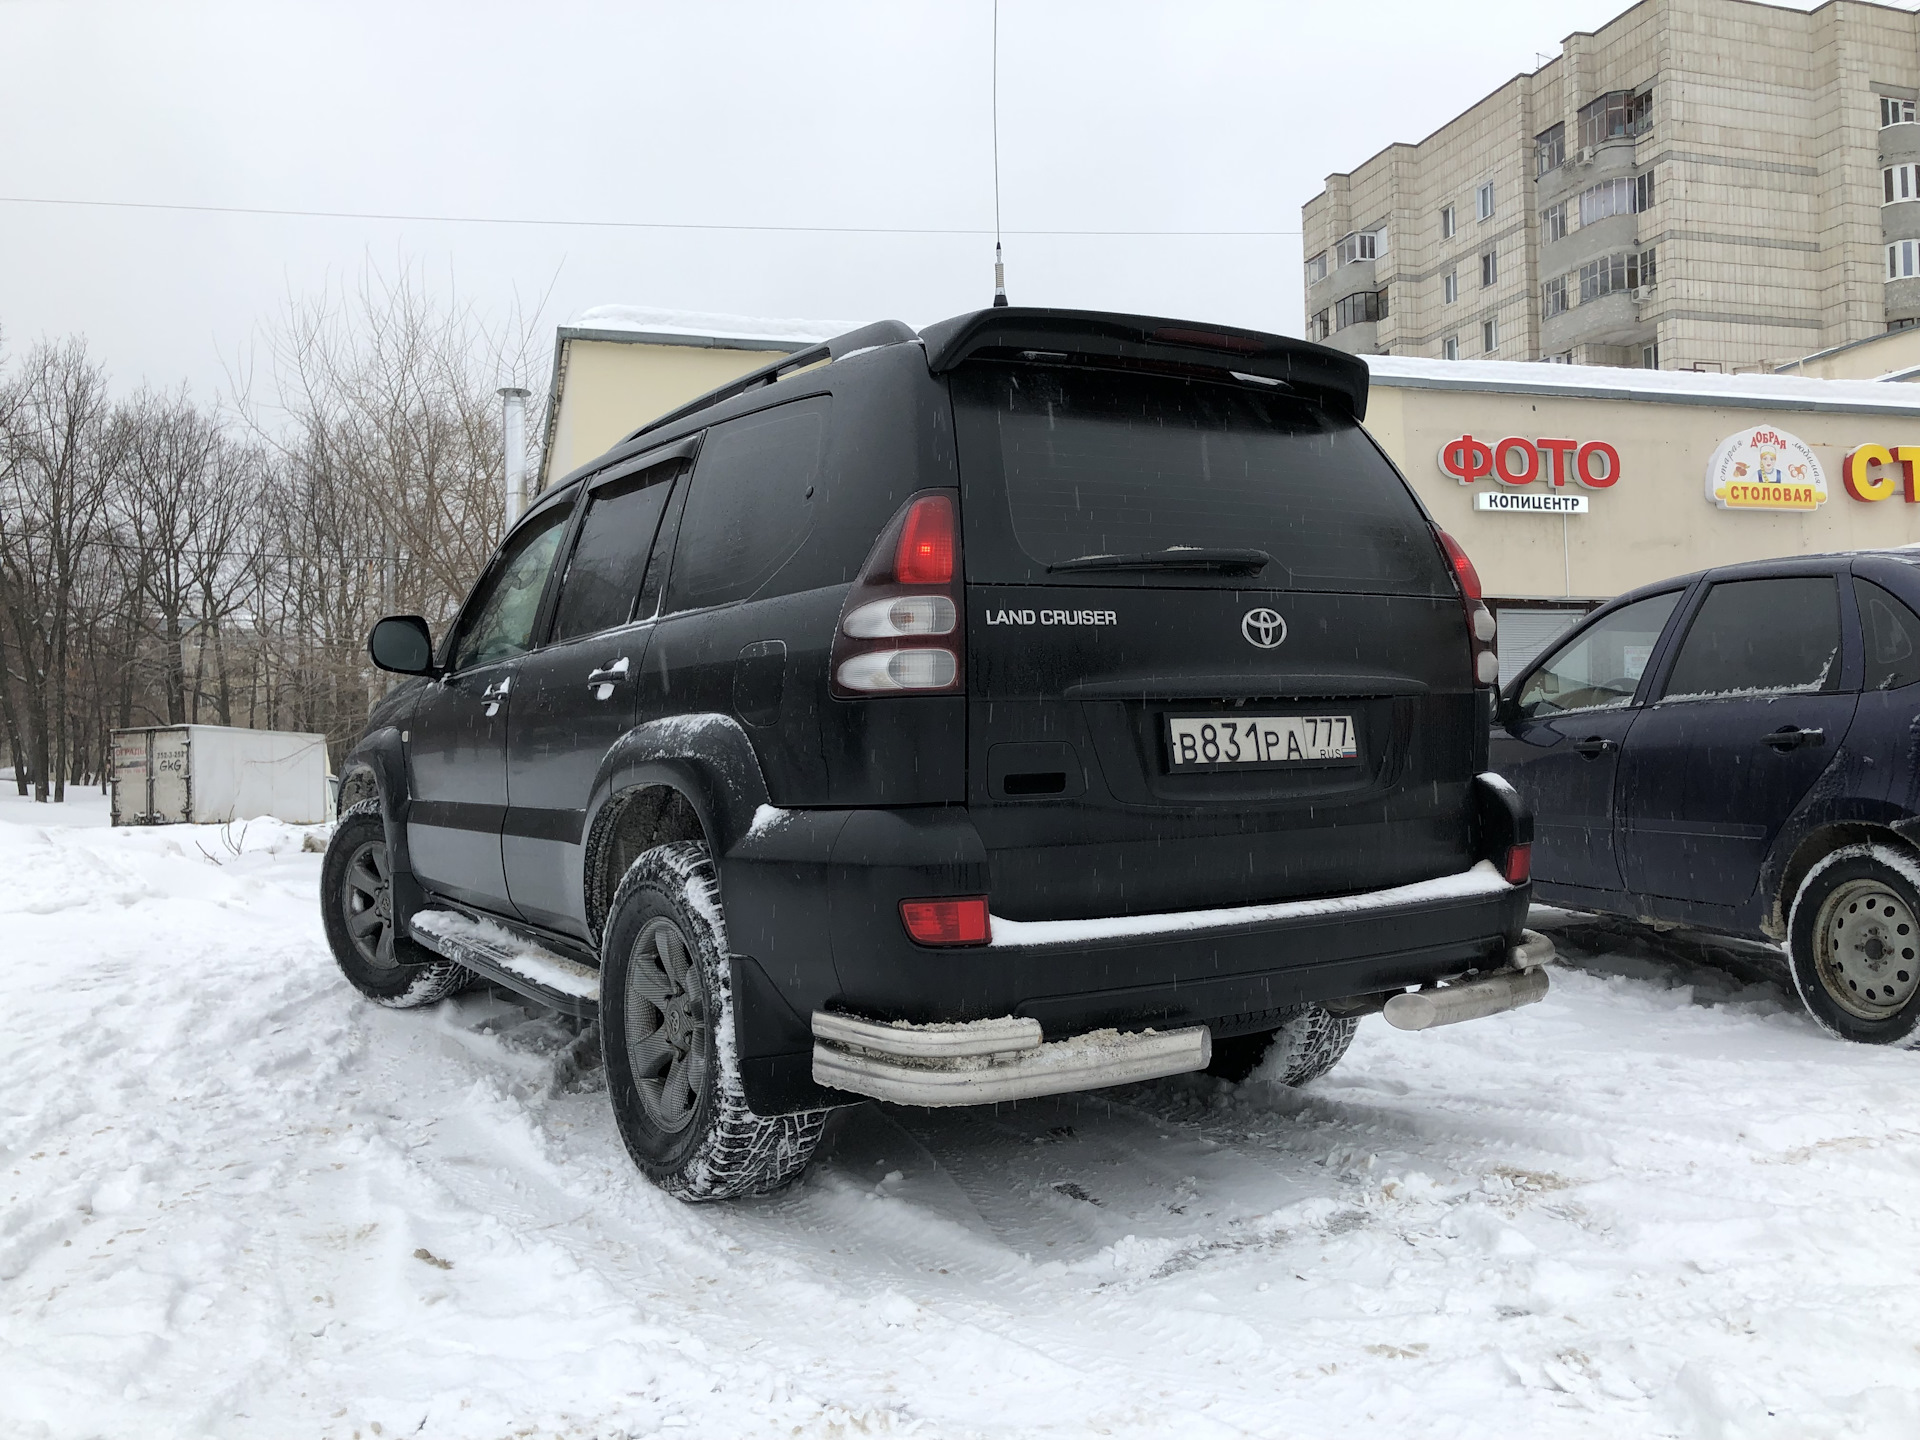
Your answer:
<point x="1215" y="741"/>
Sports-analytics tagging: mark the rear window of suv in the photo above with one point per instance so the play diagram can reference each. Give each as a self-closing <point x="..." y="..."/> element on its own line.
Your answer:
<point x="1060" y="463"/>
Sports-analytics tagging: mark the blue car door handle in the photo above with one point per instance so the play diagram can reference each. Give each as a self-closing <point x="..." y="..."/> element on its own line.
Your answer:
<point x="1792" y="737"/>
<point x="1593" y="747"/>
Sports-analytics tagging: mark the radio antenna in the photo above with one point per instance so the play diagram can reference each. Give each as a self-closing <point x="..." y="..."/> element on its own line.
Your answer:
<point x="999" y="264"/>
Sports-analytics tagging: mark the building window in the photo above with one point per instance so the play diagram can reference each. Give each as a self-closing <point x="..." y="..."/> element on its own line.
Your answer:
<point x="1447" y="225"/>
<point x="1489" y="336"/>
<point x="1899" y="182"/>
<point x="1359" y="309"/>
<point x="1484" y="201"/>
<point x="1553" y="222"/>
<point x="1318" y="327"/>
<point x="1489" y="268"/>
<point x="1650" y="356"/>
<point x="1450" y="347"/>
<point x="1565" y="357"/>
<point x="1903" y="259"/>
<point x="1553" y="298"/>
<point x="1895" y="112"/>
<point x="1906" y="324"/>
<point x="1612" y="273"/>
<point x="1627" y="195"/>
<point x="1362" y="245"/>
<point x="1450" y="287"/>
<point x="1615" y="114"/>
<point x="1549" y="150"/>
<point x="1317" y="268"/>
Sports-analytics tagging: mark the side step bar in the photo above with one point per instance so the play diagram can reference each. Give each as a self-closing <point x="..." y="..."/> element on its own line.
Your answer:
<point x="985" y="1061"/>
<point x="497" y="954"/>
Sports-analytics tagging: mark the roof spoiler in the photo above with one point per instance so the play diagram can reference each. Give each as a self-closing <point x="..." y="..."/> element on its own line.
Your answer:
<point x="1337" y="377"/>
<point x="867" y="337"/>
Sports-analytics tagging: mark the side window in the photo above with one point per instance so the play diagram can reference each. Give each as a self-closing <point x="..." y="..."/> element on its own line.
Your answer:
<point x="1600" y="668"/>
<point x="1892" y="633"/>
<point x="1755" y="637"/>
<point x="609" y="560"/>
<point x="751" y="503"/>
<point x="500" y="625"/>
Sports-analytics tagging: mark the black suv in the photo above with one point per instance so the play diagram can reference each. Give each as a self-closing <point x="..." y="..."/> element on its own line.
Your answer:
<point x="1038" y="702"/>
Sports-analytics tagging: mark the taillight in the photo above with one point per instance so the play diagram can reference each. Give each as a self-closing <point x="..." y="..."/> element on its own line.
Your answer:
<point x="959" y="921"/>
<point x="900" y="630"/>
<point x="1480" y="625"/>
<point x="1517" y="864"/>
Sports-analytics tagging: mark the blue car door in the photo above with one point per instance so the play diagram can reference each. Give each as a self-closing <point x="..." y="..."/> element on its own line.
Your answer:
<point x="1561" y="742"/>
<point x="1752" y="709"/>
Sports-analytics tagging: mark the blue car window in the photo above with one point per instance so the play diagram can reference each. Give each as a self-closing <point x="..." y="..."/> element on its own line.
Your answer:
<point x="1600" y="668"/>
<point x="1761" y="637"/>
<point x="1892" y="633"/>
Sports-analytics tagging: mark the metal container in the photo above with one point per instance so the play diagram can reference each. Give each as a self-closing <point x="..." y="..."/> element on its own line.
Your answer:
<point x="210" y="774"/>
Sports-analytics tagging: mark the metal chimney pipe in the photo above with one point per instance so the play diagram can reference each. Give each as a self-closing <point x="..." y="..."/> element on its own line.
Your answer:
<point x="513" y="438"/>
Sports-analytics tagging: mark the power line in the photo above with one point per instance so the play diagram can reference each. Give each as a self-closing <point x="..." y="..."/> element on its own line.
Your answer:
<point x="670" y="225"/>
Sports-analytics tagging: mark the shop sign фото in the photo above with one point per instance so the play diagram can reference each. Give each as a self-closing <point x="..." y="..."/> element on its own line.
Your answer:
<point x="1766" y="468"/>
<point x="1514" y="460"/>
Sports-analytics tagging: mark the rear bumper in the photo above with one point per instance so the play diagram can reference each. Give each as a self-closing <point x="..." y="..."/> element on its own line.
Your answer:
<point x="825" y="935"/>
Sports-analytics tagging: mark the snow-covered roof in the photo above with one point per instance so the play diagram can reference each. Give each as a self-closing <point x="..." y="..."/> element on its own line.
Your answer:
<point x="697" y="326"/>
<point x="1670" y="387"/>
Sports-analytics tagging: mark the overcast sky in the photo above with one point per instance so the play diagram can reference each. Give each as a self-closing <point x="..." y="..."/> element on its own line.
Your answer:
<point x="1205" y="115"/>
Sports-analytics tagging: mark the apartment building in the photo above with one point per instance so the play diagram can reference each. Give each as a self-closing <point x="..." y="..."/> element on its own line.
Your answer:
<point x="1699" y="184"/>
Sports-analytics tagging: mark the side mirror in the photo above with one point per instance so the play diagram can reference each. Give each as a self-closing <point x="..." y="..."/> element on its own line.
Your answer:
<point x="1506" y="709"/>
<point x="402" y="644"/>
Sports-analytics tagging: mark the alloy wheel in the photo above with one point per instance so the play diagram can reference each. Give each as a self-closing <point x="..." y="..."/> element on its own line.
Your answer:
<point x="666" y="1025"/>
<point x="367" y="901"/>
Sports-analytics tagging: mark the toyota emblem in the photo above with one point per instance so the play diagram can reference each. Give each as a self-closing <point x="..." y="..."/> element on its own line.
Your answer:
<point x="1263" y="628"/>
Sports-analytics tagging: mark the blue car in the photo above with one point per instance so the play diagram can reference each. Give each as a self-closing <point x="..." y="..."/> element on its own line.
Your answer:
<point x="1739" y="751"/>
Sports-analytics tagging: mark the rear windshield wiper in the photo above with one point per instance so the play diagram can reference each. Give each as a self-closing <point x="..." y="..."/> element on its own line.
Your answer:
<point x="1185" y="557"/>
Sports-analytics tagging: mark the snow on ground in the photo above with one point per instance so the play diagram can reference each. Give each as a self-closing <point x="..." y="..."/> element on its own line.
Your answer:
<point x="236" y="1200"/>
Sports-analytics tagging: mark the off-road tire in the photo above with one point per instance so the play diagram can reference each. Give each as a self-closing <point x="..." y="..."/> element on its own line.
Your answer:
<point x="355" y="883"/>
<point x="667" y="1039"/>
<point x="1853" y="944"/>
<point x="1305" y="1046"/>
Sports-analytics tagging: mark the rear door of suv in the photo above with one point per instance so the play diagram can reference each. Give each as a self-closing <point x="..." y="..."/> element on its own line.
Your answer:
<point x="1214" y="653"/>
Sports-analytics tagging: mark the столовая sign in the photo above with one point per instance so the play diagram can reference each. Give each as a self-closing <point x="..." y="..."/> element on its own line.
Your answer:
<point x="1765" y="468"/>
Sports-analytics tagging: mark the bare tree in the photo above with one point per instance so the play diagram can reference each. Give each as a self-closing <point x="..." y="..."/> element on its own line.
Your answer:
<point x="59" y="455"/>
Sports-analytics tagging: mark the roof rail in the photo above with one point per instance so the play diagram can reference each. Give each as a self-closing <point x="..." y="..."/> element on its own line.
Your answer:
<point x="867" y="337"/>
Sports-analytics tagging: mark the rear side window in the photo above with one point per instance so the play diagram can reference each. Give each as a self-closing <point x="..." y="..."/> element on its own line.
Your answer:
<point x="1892" y="633"/>
<point x="751" y="505"/>
<point x="609" y="559"/>
<point x="1093" y="462"/>
<point x="1600" y="668"/>
<point x="1761" y="637"/>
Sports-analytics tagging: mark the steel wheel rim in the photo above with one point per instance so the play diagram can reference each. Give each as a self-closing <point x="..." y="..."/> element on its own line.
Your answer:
<point x="1868" y="949"/>
<point x="366" y="902"/>
<point x="666" y="1006"/>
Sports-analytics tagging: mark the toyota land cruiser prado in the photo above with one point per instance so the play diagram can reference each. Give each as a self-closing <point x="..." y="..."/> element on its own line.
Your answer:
<point x="1038" y="702"/>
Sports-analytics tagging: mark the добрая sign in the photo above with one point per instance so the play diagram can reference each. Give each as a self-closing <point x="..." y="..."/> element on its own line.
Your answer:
<point x="1765" y="468"/>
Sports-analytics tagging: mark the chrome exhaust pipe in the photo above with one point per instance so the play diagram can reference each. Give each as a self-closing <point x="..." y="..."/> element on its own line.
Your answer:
<point x="1467" y="999"/>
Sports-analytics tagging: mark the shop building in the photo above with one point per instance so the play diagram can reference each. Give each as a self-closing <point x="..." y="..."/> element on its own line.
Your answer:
<point x="615" y="367"/>
<point x="1715" y="184"/>
<point x="1569" y="486"/>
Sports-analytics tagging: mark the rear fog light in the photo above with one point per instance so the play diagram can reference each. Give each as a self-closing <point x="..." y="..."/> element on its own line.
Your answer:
<point x="961" y="921"/>
<point x="880" y="671"/>
<point x="1517" y="865"/>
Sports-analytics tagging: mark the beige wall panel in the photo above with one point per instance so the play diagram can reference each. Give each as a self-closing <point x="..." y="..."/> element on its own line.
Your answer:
<point x="614" y="387"/>
<point x="1657" y="521"/>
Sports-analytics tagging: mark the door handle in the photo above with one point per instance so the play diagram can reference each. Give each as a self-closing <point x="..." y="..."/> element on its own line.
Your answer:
<point x="602" y="681"/>
<point x="1792" y="737"/>
<point x="1594" y="746"/>
<point x="494" y="694"/>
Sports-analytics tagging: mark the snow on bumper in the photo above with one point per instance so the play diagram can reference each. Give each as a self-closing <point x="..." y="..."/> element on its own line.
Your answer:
<point x="986" y="1061"/>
